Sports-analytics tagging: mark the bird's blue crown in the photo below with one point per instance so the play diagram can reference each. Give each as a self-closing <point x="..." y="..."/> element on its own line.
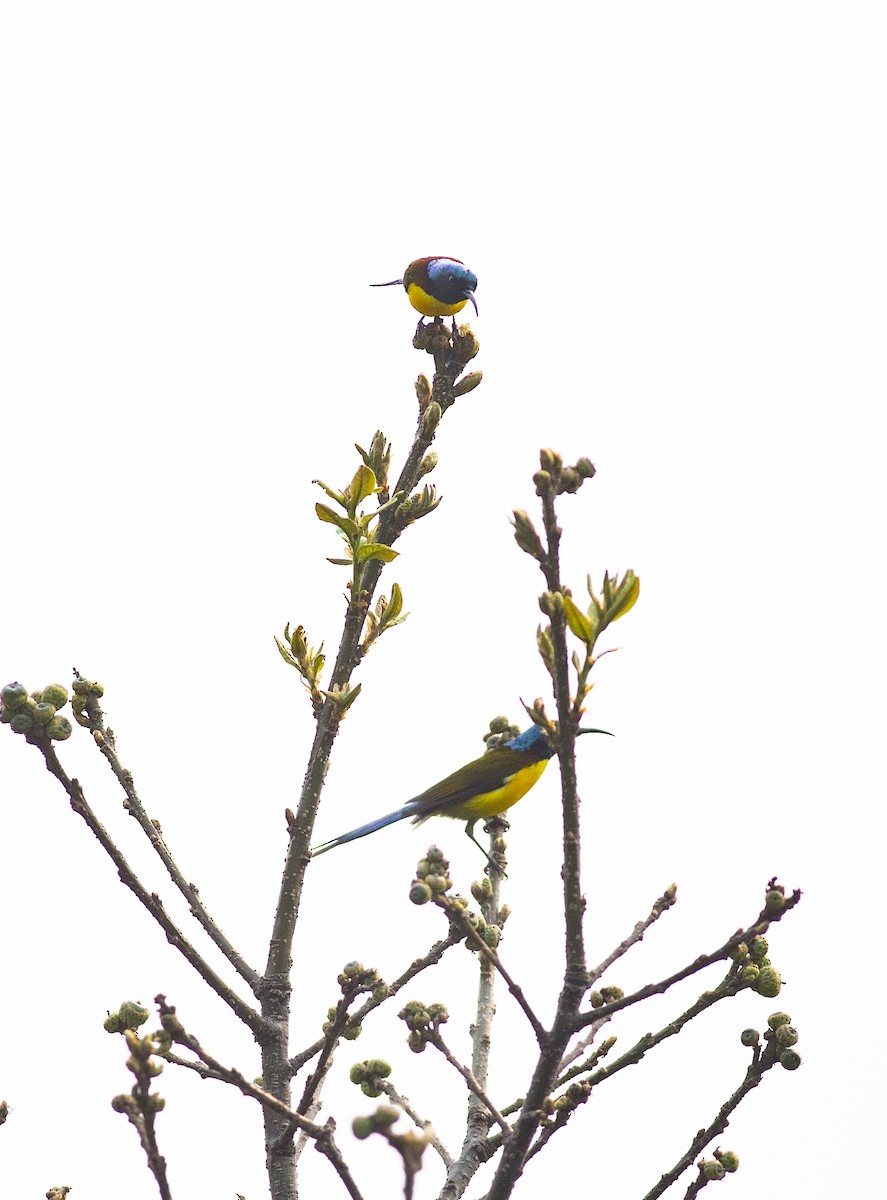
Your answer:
<point x="533" y="739"/>
<point x="453" y="275"/>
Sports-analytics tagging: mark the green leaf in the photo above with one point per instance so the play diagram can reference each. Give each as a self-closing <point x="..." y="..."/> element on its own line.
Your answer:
<point x="375" y="550"/>
<point x="325" y="513"/>
<point x="626" y="596"/>
<point x="285" y="654"/>
<point x="362" y="485"/>
<point x="395" y="604"/>
<point x="578" y="622"/>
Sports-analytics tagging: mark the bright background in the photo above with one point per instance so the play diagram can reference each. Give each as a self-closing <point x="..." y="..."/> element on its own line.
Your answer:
<point x="676" y="214"/>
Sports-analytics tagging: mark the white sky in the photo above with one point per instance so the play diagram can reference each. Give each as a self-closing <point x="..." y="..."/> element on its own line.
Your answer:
<point x="676" y="214"/>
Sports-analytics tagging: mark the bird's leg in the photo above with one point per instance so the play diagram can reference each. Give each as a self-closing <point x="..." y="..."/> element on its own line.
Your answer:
<point x="497" y="864"/>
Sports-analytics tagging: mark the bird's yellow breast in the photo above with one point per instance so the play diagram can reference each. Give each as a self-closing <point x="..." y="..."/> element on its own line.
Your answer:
<point x="429" y="307"/>
<point x="487" y="804"/>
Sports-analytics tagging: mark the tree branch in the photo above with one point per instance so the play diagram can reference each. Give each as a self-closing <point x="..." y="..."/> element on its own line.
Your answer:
<point x="104" y="739"/>
<point x="150" y="900"/>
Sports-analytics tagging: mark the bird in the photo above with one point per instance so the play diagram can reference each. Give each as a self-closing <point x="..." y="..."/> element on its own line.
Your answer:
<point x="479" y="790"/>
<point x="437" y="286"/>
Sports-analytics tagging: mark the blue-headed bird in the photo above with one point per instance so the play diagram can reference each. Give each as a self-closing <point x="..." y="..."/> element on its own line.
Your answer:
<point x="479" y="790"/>
<point x="437" y="286"/>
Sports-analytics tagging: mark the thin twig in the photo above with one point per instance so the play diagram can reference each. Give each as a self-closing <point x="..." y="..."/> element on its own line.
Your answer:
<point x="150" y="900"/>
<point x="433" y="1038"/>
<point x="403" y="1102"/>
<point x="761" y="1062"/>
<point x="759" y="926"/>
<point x="434" y="955"/>
<point x="104" y="739"/>
<point x="665" y="901"/>
<point x="459" y="917"/>
<point x="322" y="1134"/>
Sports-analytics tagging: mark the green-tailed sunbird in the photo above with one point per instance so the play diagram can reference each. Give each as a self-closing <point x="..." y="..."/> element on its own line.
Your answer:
<point x="477" y="791"/>
<point x="437" y="286"/>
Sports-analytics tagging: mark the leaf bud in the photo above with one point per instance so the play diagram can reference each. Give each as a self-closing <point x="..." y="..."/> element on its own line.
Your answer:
<point x="468" y="384"/>
<point x="570" y="481"/>
<point x="712" y="1169"/>
<point x="778" y="1018"/>
<point x="423" y="392"/>
<point x="525" y="534"/>
<point x="427" y="465"/>
<point x="542" y="482"/>
<point x="431" y="418"/>
<point x="550" y="460"/>
<point x="774" y="901"/>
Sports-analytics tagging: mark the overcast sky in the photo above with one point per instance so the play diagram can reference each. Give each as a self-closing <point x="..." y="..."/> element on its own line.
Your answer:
<point x="676" y="216"/>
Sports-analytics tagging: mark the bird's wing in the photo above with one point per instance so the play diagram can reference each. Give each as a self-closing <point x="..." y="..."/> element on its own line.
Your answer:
<point x="485" y="774"/>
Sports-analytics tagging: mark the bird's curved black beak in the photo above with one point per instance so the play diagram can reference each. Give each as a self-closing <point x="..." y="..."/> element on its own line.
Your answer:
<point x="470" y="297"/>
<point x="606" y="731"/>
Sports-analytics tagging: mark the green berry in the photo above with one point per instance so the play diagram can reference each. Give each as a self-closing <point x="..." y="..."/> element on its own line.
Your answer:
<point x="786" y="1035"/>
<point x="758" y="950"/>
<point x="14" y="696"/>
<point x="768" y="982"/>
<point x="749" y="1037"/>
<point x="778" y="1018"/>
<point x="133" y="1015"/>
<point x="55" y="694"/>
<point x="790" y="1060"/>
<point x="59" y="728"/>
<point x="362" y="1127"/>
<point x="420" y="892"/>
<point x="712" y="1169"/>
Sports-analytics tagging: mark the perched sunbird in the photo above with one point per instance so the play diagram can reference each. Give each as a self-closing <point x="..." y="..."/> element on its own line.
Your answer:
<point x="437" y="286"/>
<point x="477" y="791"/>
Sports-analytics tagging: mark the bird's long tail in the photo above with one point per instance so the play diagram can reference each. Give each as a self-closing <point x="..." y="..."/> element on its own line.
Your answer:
<point x="380" y="823"/>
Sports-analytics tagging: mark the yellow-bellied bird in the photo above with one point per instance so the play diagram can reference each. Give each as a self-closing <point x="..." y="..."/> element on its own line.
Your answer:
<point x="477" y="791"/>
<point x="437" y="286"/>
